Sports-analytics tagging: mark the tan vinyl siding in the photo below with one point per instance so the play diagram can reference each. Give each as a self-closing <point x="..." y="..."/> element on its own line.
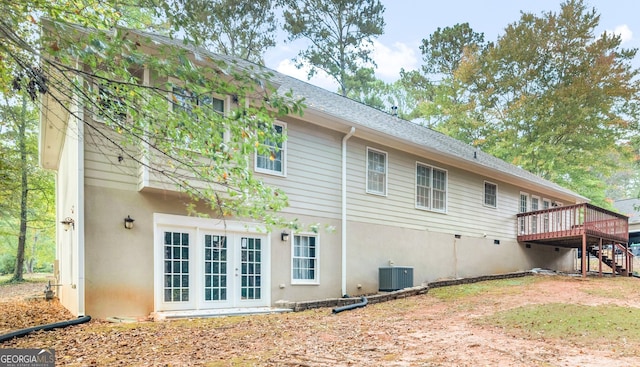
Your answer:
<point x="465" y="213"/>
<point x="313" y="160"/>
<point x="101" y="164"/>
<point x="313" y="172"/>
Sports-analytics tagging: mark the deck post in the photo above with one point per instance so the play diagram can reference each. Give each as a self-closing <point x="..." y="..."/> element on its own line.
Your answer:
<point x="626" y="255"/>
<point x="584" y="255"/>
<point x="600" y="258"/>
<point x="615" y="262"/>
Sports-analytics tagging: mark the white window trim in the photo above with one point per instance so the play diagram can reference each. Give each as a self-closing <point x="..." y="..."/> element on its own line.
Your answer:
<point x="521" y="226"/>
<point x="415" y="188"/>
<point x="95" y="112"/>
<point x="484" y="194"/>
<point x="315" y="281"/>
<point x="546" y="218"/>
<point x="539" y="202"/>
<point x="522" y="193"/>
<point x="284" y="155"/>
<point x="226" y="106"/>
<point x="180" y="84"/>
<point x="535" y="224"/>
<point x="386" y="172"/>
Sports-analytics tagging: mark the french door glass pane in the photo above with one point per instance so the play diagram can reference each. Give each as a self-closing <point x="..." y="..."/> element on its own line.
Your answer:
<point x="250" y="268"/>
<point x="176" y="267"/>
<point x="215" y="266"/>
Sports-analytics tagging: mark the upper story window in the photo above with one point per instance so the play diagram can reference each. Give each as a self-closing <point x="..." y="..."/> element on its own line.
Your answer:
<point x="490" y="194"/>
<point x="185" y="100"/>
<point x="110" y="104"/>
<point x="431" y="188"/>
<point x="523" y="208"/>
<point x="304" y="268"/>
<point x="524" y="202"/>
<point x="376" y="172"/>
<point x="272" y="159"/>
<point x="199" y="105"/>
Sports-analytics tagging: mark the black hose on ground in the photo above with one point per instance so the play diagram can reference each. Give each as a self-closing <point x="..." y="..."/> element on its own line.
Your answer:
<point x="47" y="327"/>
<point x="363" y="302"/>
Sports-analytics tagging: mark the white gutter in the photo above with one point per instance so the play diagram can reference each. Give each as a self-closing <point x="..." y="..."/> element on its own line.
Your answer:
<point x="344" y="209"/>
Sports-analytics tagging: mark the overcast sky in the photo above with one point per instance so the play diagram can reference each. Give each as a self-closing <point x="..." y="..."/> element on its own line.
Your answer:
<point x="410" y="21"/>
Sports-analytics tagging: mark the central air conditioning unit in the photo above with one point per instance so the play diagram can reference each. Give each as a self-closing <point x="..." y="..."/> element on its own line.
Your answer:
<point x="393" y="278"/>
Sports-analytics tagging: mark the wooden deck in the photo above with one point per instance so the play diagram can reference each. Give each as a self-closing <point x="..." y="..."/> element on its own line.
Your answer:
<point x="583" y="226"/>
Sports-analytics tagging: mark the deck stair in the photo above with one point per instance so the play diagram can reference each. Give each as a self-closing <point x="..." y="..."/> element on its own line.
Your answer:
<point x="610" y="262"/>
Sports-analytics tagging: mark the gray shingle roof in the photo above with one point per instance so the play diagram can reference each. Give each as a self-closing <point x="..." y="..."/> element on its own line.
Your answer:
<point x="353" y="112"/>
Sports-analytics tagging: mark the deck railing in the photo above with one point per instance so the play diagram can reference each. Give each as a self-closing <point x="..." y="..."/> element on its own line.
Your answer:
<point x="573" y="221"/>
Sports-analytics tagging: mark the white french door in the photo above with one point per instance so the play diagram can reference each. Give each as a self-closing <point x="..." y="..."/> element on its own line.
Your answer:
<point x="200" y="268"/>
<point x="233" y="271"/>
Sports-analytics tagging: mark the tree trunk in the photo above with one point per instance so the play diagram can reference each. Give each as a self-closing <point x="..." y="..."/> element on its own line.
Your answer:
<point x="22" y="238"/>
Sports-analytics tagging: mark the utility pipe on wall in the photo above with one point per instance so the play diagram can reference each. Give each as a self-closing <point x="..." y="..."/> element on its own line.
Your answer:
<point x="344" y="209"/>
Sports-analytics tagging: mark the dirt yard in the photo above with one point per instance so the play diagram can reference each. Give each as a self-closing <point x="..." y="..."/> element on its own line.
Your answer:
<point x="424" y="330"/>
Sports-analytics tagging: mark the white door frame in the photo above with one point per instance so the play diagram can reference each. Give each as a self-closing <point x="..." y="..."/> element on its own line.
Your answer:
<point x="197" y="228"/>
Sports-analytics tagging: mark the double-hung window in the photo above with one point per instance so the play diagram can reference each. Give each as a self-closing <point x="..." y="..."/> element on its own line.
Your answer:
<point x="272" y="157"/>
<point x="523" y="208"/>
<point x="185" y="100"/>
<point x="304" y="262"/>
<point x="376" y="172"/>
<point x="490" y="194"/>
<point x="431" y="188"/>
<point x="199" y="105"/>
<point x="110" y="104"/>
<point x="535" y="205"/>
<point x="546" y="204"/>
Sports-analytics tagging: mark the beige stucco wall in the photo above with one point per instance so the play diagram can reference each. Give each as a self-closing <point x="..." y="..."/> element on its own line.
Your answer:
<point x="435" y="256"/>
<point x="120" y="264"/>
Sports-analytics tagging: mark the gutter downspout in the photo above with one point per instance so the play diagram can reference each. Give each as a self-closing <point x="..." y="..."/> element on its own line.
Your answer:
<point x="81" y="219"/>
<point x="344" y="210"/>
<point x="47" y="327"/>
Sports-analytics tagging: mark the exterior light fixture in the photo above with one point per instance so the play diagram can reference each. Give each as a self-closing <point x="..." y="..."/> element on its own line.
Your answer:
<point x="128" y="222"/>
<point x="68" y="222"/>
<point x="284" y="236"/>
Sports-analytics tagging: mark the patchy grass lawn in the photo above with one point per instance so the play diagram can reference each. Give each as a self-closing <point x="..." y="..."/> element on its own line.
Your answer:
<point x="530" y="321"/>
<point x="578" y="323"/>
<point x="28" y="277"/>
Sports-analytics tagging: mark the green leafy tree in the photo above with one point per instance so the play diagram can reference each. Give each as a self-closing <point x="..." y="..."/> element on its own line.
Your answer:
<point x="390" y="97"/>
<point x="340" y="35"/>
<point x="443" y="98"/>
<point x="27" y="192"/>
<point x="364" y="87"/>
<point x="549" y="96"/>
<point x="100" y="66"/>
<point x="560" y="100"/>
<point x="240" y="28"/>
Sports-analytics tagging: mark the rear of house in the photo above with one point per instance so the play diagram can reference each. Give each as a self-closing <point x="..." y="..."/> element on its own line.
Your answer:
<point x="371" y="190"/>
